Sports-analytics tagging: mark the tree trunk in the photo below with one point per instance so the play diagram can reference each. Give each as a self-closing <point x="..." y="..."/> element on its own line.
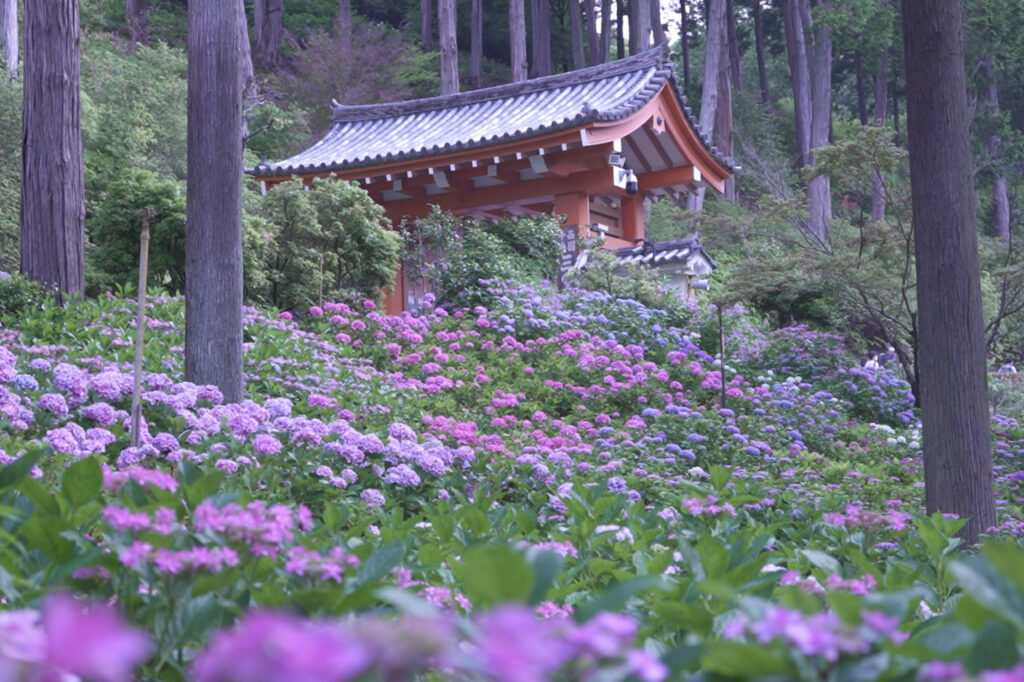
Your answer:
<point x="620" y="24"/>
<point x="476" y="45"/>
<point x="137" y="17"/>
<point x="247" y="75"/>
<point x="862" y="97"/>
<point x="819" y="191"/>
<point x="540" y="18"/>
<point x="895" y="109"/>
<point x="994" y="144"/>
<point x="657" y="27"/>
<point x="213" y="241"/>
<point x="427" y="24"/>
<point x="716" y="65"/>
<point x="268" y="32"/>
<point x="734" y="47"/>
<point x="343" y="23"/>
<point x="449" y="47"/>
<point x="517" y="38"/>
<point x="639" y="25"/>
<point x="52" y="169"/>
<point x="9" y="35"/>
<point x="878" y="201"/>
<point x="606" y="30"/>
<point x="762" y="69"/>
<point x="685" y="43"/>
<point x="579" y="59"/>
<point x="799" y="76"/>
<point x="593" y="38"/>
<point x="951" y="346"/>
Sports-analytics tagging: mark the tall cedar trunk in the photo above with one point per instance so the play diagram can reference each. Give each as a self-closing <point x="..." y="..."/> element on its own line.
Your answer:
<point x="716" y="63"/>
<point x="540" y="18"/>
<point x="593" y="38"/>
<point x="52" y="170"/>
<point x="268" y="32"/>
<point x="723" y="121"/>
<point x="878" y="200"/>
<point x="343" y="24"/>
<point x="620" y="24"/>
<point x="683" y="32"/>
<point x="734" y="47"/>
<point x="247" y="76"/>
<point x="476" y="45"/>
<point x="449" y="47"/>
<point x="799" y="76"/>
<point x="517" y="38"/>
<point x="819" y="190"/>
<point x="762" y="69"/>
<point x="427" y="24"/>
<point x="994" y="143"/>
<point x="606" y="30"/>
<point x="951" y="344"/>
<point x="657" y="27"/>
<point x="213" y="239"/>
<point x="579" y="59"/>
<point x="862" y="97"/>
<point x="137" y="17"/>
<point x="639" y="25"/>
<point x="895" y="108"/>
<point x="9" y="35"/>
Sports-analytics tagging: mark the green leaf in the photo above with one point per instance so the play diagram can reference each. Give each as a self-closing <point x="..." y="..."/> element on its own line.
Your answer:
<point x="821" y="560"/>
<point x="430" y="555"/>
<point x="17" y="470"/>
<point x="743" y="660"/>
<point x="82" y="481"/>
<point x="862" y="669"/>
<point x="1008" y="559"/>
<point x="995" y="648"/>
<point x="203" y="488"/>
<point x="376" y="567"/>
<point x="945" y="639"/>
<point x="980" y="579"/>
<point x="494" y="574"/>
<point x="475" y="521"/>
<point x="615" y="598"/>
<point x="546" y="567"/>
<point x="714" y="557"/>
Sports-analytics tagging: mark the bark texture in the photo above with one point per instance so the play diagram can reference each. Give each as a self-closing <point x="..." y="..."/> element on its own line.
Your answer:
<point x="137" y="16"/>
<point x="951" y="346"/>
<point x="269" y="26"/>
<point x="540" y="21"/>
<point x="343" y="23"/>
<point x="449" y="47"/>
<point x="517" y="38"/>
<point x="639" y="25"/>
<point x="878" y="199"/>
<point x="819" y="190"/>
<point x="476" y="45"/>
<point x="427" y="24"/>
<point x="9" y="36"/>
<point x="715" y="93"/>
<point x="593" y="38"/>
<point x="734" y="47"/>
<point x="989" y="97"/>
<point x="606" y="30"/>
<point x="762" y="69"/>
<point x="213" y="241"/>
<point x="579" y="59"/>
<point x="53" y="175"/>
<point x="657" y="27"/>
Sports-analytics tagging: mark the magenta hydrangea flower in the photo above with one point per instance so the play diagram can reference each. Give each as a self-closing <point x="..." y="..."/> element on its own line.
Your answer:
<point x="91" y="640"/>
<point x="267" y="646"/>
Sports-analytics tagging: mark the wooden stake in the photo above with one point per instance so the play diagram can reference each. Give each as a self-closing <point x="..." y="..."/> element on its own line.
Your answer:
<point x="140" y="325"/>
<point x="721" y="351"/>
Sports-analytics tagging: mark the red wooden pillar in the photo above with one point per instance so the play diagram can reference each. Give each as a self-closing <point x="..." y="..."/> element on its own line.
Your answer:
<point x="576" y="209"/>
<point x="632" y="217"/>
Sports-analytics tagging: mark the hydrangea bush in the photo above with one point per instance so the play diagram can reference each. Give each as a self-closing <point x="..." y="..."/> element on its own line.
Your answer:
<point x="560" y="486"/>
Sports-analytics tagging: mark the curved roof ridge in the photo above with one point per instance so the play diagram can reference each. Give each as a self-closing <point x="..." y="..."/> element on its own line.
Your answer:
<point x="656" y="58"/>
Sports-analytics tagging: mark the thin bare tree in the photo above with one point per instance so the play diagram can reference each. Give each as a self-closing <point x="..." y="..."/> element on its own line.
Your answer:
<point x="449" y="47"/>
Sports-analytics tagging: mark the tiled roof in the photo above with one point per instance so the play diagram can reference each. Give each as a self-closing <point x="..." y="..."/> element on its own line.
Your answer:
<point x="372" y="134"/>
<point x="660" y="253"/>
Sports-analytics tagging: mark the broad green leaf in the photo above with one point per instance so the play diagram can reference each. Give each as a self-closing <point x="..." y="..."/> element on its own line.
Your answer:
<point x="82" y="481"/>
<point x="995" y="648"/>
<point x="743" y="660"/>
<point x="980" y="579"/>
<point x="546" y="567"/>
<point x="862" y="669"/>
<point x="382" y="560"/>
<point x="11" y="473"/>
<point x="615" y="597"/>
<point x="821" y="560"/>
<point x="495" y="574"/>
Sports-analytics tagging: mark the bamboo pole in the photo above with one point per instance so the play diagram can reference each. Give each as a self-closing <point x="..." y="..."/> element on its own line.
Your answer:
<point x="140" y="326"/>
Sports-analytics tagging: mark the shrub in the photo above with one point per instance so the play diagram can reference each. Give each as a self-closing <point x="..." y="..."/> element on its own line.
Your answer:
<point x="331" y="243"/>
<point x="115" y="231"/>
<point x="19" y="294"/>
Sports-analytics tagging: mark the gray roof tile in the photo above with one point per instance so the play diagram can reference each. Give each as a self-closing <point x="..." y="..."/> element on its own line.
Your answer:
<point x="371" y="134"/>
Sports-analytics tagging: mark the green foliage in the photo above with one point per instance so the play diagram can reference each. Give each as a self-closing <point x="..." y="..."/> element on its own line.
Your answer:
<point x="10" y="175"/>
<point x="604" y="272"/>
<point x="114" y="231"/>
<point x="133" y="112"/>
<point x="18" y="295"/>
<point x="455" y="257"/>
<point x="330" y="243"/>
